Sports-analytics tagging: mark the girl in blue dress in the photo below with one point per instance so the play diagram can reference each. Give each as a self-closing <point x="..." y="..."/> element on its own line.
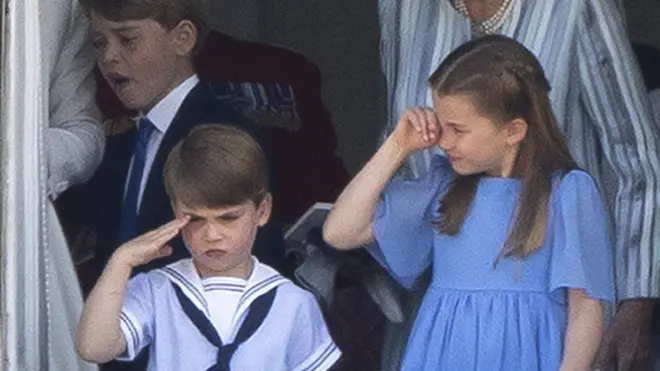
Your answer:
<point x="514" y="232"/>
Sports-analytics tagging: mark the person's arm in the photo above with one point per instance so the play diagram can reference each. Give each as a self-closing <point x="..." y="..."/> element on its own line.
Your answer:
<point x="613" y="92"/>
<point x="584" y="332"/>
<point x="581" y="264"/>
<point x="99" y="337"/>
<point x="75" y="136"/>
<point x="349" y="223"/>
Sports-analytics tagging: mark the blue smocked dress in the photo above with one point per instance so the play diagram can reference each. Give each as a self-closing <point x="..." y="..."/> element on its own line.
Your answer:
<point x="477" y="316"/>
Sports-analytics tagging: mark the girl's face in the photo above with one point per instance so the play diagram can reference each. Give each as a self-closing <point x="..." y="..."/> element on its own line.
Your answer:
<point x="474" y="143"/>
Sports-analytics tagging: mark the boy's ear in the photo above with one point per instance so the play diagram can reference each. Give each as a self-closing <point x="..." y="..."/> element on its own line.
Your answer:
<point x="185" y="38"/>
<point x="264" y="209"/>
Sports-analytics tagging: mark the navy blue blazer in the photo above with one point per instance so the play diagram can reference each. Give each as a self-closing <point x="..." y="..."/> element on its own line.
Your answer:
<point x="201" y="106"/>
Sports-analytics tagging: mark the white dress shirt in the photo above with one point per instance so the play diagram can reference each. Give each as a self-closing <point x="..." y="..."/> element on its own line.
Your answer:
<point x="161" y="116"/>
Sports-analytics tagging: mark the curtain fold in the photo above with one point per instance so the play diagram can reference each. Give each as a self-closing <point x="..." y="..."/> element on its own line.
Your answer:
<point x="24" y="228"/>
<point x="41" y="299"/>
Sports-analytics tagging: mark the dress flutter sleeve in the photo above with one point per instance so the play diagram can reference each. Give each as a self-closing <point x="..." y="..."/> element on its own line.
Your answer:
<point x="580" y="239"/>
<point x="403" y="222"/>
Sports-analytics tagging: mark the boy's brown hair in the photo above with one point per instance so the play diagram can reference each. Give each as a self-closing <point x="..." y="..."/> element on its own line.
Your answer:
<point x="168" y="13"/>
<point x="216" y="166"/>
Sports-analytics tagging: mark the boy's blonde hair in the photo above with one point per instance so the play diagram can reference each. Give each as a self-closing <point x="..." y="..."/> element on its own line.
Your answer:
<point x="216" y="166"/>
<point x="168" y="13"/>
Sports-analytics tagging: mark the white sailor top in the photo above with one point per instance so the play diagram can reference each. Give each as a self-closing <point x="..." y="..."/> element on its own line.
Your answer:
<point x="158" y="312"/>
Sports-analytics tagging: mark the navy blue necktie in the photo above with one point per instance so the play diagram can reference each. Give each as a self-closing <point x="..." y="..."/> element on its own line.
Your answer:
<point x="130" y="208"/>
<point x="256" y="314"/>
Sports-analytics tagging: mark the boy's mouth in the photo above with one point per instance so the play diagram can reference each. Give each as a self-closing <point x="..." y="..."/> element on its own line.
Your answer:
<point x="215" y="254"/>
<point x="117" y="81"/>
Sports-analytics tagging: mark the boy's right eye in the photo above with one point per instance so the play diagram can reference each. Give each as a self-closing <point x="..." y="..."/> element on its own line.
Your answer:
<point x="98" y="43"/>
<point x="127" y="42"/>
<point x="194" y="223"/>
<point x="195" y="219"/>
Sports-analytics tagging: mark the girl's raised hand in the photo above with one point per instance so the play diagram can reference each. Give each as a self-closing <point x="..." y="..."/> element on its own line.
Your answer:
<point x="151" y="245"/>
<point x="418" y="129"/>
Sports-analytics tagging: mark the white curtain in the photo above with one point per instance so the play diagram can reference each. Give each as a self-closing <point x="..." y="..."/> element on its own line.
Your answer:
<point x="41" y="298"/>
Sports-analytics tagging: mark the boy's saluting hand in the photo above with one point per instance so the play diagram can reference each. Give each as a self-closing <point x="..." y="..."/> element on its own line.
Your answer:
<point x="99" y="338"/>
<point x="151" y="245"/>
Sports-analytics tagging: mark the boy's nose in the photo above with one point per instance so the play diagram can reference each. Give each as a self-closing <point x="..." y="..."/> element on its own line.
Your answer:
<point x="109" y="55"/>
<point x="212" y="233"/>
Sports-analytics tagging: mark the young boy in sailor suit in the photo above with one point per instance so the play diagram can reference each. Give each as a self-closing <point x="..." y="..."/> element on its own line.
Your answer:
<point x="221" y="309"/>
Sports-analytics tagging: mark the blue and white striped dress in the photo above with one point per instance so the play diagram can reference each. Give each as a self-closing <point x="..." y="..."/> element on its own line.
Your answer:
<point x="597" y="93"/>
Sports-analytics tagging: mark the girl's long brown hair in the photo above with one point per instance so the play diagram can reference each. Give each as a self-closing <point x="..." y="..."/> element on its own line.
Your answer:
<point x="505" y="82"/>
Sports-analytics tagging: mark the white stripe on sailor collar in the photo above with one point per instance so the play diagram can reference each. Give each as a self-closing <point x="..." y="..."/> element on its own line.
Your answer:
<point x="184" y="274"/>
<point x="262" y="280"/>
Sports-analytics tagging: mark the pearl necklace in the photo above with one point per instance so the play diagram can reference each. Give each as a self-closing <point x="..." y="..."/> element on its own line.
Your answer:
<point x="491" y="25"/>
